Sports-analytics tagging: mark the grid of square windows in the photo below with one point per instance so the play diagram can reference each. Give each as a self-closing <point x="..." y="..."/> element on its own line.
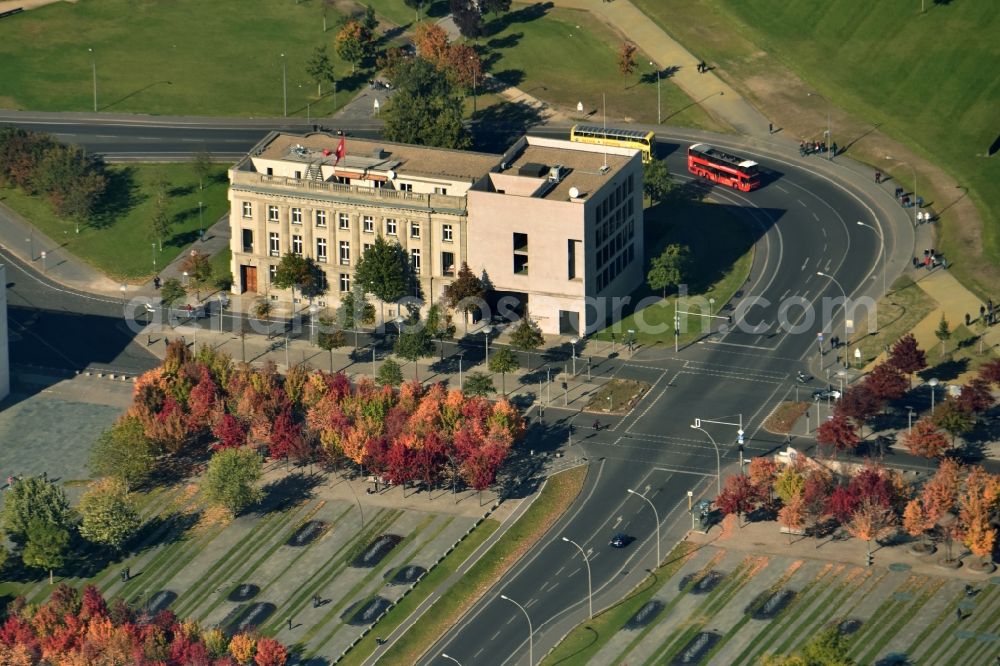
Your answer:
<point x="321" y="250"/>
<point x="369" y="222"/>
<point x="297" y="245"/>
<point x="321" y="218"/>
<point x="345" y="253"/>
<point x="344" y="221"/>
<point x="296" y="216"/>
<point x="272" y="213"/>
<point x="390" y="227"/>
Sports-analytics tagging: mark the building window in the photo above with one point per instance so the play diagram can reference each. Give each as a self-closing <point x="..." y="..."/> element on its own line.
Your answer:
<point x="406" y="187"/>
<point x="272" y="273"/>
<point x="448" y="264"/>
<point x="344" y="221"/>
<point x="520" y="253"/>
<point x="298" y="175"/>
<point x="274" y="244"/>
<point x="272" y="213"/>
<point x="321" y="218"/>
<point x="440" y="190"/>
<point x="446" y="234"/>
<point x="248" y="240"/>
<point x="415" y="260"/>
<point x="367" y="247"/>
<point x="345" y="253"/>
<point x="345" y="283"/>
<point x="297" y="245"/>
<point x="247" y="209"/>
<point x="321" y="250"/>
<point x="369" y="224"/>
<point x="414" y="230"/>
<point x="296" y="216"/>
<point x="390" y="227"/>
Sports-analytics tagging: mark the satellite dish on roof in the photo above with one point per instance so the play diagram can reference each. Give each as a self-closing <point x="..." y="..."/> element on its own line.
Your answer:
<point x="392" y="175"/>
<point x="574" y="193"/>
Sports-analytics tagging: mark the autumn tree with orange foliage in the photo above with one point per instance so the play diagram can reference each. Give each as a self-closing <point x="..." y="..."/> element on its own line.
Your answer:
<point x="871" y="521"/>
<point x="975" y="513"/>
<point x="762" y="472"/>
<point x="925" y="440"/>
<point x="792" y="516"/>
<point x="242" y="647"/>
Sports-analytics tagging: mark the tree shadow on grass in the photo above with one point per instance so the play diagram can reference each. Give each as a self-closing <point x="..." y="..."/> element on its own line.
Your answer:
<point x="591" y="637"/>
<point x="946" y="370"/>
<point x="524" y="15"/>
<point x="288" y="491"/>
<point x="121" y="195"/>
<point x="180" y="190"/>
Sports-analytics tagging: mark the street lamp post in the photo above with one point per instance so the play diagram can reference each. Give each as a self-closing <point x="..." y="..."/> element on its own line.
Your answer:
<point x="844" y="292"/>
<point x="122" y="289"/>
<point x="932" y="382"/>
<point x="444" y="656"/>
<point x="201" y="223"/>
<point x="590" y="588"/>
<point x="656" y="516"/>
<point x="718" y="459"/>
<point x="93" y="67"/>
<point x="881" y="242"/>
<point x="471" y="59"/>
<point x="154" y="257"/>
<point x="573" y="342"/>
<point x="531" y="632"/>
<point x="909" y="419"/>
<point x="914" y="171"/>
<point x="313" y="309"/>
<point x="486" y="332"/>
<point x="829" y="129"/>
<point x="461" y="355"/>
<point x="284" y="83"/>
<point x="658" y="115"/>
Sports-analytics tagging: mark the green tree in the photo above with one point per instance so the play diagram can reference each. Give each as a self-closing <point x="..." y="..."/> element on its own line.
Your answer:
<point x="439" y="326"/>
<point x="656" y="181"/>
<point x="425" y="108"/>
<point x="389" y="374"/>
<point x="199" y="271"/>
<point x="46" y="546"/>
<point x="478" y="383"/>
<point x="203" y="166"/>
<point x="828" y="648"/>
<point x="320" y="68"/>
<point x="943" y="332"/>
<point x="495" y="7"/>
<point x="384" y="271"/>
<point x="124" y="452"/>
<point x="109" y="514"/>
<point x="527" y="336"/>
<point x="952" y="419"/>
<point x="172" y="291"/>
<point x="34" y="498"/>
<point x="414" y="343"/>
<point x="297" y="271"/>
<point x="159" y="220"/>
<point x="670" y="268"/>
<point x="465" y="293"/>
<point x="232" y="477"/>
<point x="369" y="20"/>
<point x="330" y="337"/>
<point x="416" y="6"/>
<point x="354" y="43"/>
<point x="355" y="311"/>
<point x="502" y="360"/>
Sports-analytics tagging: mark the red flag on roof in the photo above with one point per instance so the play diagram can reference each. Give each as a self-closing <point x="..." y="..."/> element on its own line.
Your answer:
<point x="341" y="151"/>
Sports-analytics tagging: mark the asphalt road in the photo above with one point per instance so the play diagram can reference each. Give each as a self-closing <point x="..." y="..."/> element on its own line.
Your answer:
<point x="805" y="220"/>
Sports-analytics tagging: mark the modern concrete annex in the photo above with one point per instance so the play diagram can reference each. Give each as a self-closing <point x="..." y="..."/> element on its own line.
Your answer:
<point x="555" y="226"/>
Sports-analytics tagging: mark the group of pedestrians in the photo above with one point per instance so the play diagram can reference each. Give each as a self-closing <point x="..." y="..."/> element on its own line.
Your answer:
<point x="810" y="147"/>
<point x="931" y="260"/>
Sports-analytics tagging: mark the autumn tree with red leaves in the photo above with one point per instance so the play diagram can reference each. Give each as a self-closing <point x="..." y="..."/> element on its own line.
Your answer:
<point x="838" y="432"/>
<point x="975" y="397"/>
<point x="841" y="503"/>
<point x="739" y="496"/>
<point x="925" y="440"/>
<point x="886" y="382"/>
<point x="859" y="403"/>
<point x="990" y="372"/>
<point x="230" y="432"/>
<point x="270" y="653"/>
<point x="907" y="357"/>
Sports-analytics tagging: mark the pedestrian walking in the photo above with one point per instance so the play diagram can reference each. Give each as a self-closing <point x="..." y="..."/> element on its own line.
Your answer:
<point x="968" y="319"/>
<point x="770" y="128"/>
<point x="289" y="624"/>
<point x="982" y="313"/>
<point x="878" y="177"/>
<point x="958" y="615"/>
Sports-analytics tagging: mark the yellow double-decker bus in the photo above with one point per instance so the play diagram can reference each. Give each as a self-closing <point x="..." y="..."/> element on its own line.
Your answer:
<point x="624" y="138"/>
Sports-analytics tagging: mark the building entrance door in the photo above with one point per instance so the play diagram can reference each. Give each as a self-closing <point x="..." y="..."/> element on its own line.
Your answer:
<point x="249" y="278"/>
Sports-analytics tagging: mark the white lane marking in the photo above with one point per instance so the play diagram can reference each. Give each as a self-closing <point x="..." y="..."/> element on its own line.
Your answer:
<point x="806" y="263"/>
<point x="787" y="291"/>
<point x="779" y="187"/>
<point x="530" y="601"/>
<point x="816" y="216"/>
<point x="475" y="656"/>
<point x="805" y="294"/>
<point x="803" y="203"/>
<point x="823" y="229"/>
<point x="560" y="570"/>
<point x="494" y="636"/>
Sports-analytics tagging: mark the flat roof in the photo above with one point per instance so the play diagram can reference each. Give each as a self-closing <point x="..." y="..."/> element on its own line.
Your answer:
<point x="582" y="167"/>
<point x="404" y="159"/>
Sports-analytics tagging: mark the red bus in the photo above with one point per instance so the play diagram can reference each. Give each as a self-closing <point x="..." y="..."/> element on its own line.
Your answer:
<point x="724" y="168"/>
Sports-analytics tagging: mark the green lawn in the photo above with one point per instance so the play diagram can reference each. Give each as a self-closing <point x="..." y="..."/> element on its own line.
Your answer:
<point x="566" y="56"/>
<point x="721" y="257"/>
<point x="180" y="57"/>
<point x="928" y="80"/>
<point x="121" y="245"/>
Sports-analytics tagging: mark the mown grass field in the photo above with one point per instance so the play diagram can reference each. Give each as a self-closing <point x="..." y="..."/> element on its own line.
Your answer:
<point x="122" y="245"/>
<point x="928" y="80"/>
<point x="168" y="58"/>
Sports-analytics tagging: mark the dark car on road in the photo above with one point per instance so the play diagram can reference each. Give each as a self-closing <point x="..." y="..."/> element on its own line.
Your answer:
<point x="620" y="540"/>
<point x="826" y="394"/>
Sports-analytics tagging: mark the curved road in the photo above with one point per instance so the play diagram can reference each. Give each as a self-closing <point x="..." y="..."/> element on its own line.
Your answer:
<point x="805" y="220"/>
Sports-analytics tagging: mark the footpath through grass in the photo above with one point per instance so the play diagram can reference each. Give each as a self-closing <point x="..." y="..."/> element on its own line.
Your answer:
<point x="923" y="79"/>
<point x="182" y="57"/>
<point x="721" y="257"/>
<point x="120" y="241"/>
<point x="558" y="494"/>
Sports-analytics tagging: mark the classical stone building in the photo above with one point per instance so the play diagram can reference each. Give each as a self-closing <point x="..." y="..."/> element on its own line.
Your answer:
<point x="555" y="226"/>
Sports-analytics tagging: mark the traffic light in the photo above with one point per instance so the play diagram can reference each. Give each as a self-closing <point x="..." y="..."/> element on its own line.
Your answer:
<point x="871" y="559"/>
<point x="729" y="318"/>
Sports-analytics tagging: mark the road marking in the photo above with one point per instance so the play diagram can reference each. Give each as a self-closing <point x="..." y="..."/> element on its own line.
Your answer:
<point x="823" y="229"/>
<point x="779" y="187"/>
<point x="508" y="622"/>
<point x="494" y="636"/>
<point x="803" y="203"/>
<point x="805" y="294"/>
<point x="530" y="601"/>
<point x="824" y="248"/>
<point x="573" y="573"/>
<point x="554" y="586"/>
<point x="681" y="471"/>
<point x="480" y="652"/>
<point x="782" y="297"/>
<point x="805" y="263"/>
<point x="815" y="216"/>
<point x="560" y="570"/>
